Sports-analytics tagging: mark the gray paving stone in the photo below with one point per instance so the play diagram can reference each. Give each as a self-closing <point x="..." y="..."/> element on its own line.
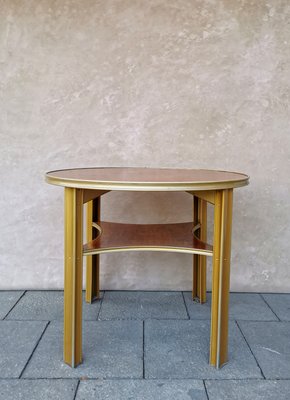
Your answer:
<point x="7" y="301"/>
<point x="44" y="389"/>
<point x="111" y="349"/>
<point x="248" y="390"/>
<point x="280" y="304"/>
<point x="270" y="343"/>
<point x="141" y="390"/>
<point x="143" y="305"/>
<point x="243" y="306"/>
<point x="47" y="306"/>
<point x="17" y="341"/>
<point x="180" y="350"/>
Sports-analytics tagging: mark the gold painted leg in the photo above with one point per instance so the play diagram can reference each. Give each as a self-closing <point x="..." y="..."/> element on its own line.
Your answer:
<point x="202" y="210"/>
<point x="199" y="262"/>
<point x="195" y="256"/>
<point x="93" y="267"/>
<point x="73" y="274"/>
<point x="221" y="277"/>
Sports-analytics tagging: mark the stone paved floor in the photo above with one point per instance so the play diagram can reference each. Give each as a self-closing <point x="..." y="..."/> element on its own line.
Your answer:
<point x="144" y="345"/>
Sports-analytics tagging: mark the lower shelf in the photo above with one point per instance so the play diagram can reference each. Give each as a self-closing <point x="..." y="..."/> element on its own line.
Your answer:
<point x="113" y="237"/>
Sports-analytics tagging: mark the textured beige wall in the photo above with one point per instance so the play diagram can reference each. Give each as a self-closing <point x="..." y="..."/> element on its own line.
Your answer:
<point x="154" y="83"/>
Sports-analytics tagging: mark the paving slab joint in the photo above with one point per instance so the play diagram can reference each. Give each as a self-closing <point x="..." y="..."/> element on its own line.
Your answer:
<point x="29" y="358"/>
<point x="188" y="316"/>
<point x="23" y="294"/>
<point x="205" y="389"/>
<point x="265" y="301"/>
<point x="76" y="391"/>
<point x="242" y="333"/>
<point x="101" y="303"/>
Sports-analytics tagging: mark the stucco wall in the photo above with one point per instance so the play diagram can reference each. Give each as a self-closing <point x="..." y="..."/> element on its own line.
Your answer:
<point x="156" y="83"/>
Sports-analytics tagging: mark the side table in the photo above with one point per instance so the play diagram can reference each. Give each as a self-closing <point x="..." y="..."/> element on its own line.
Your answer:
<point x="87" y="185"/>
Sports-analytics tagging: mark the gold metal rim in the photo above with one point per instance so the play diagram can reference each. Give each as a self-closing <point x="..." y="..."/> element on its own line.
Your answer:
<point x="148" y="248"/>
<point x="144" y="186"/>
<point x="98" y="227"/>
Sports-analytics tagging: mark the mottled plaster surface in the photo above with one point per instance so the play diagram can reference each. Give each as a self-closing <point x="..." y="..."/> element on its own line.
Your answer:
<point x="154" y="83"/>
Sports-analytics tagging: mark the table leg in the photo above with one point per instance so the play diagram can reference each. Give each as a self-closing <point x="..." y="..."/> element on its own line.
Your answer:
<point x="221" y="277"/>
<point x="93" y="262"/>
<point x="73" y="273"/>
<point x="199" y="262"/>
<point x="202" y="259"/>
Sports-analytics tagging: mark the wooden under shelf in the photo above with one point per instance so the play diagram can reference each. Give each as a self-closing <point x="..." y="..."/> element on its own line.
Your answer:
<point x="177" y="237"/>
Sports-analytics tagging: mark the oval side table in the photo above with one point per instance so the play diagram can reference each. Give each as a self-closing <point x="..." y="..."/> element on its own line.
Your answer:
<point x="87" y="185"/>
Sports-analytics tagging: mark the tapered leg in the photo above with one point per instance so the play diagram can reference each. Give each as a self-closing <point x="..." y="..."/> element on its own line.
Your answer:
<point x="221" y="277"/>
<point x="93" y="262"/>
<point x="199" y="262"/>
<point x="73" y="273"/>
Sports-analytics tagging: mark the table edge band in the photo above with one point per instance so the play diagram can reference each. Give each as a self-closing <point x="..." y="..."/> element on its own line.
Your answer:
<point x="144" y="186"/>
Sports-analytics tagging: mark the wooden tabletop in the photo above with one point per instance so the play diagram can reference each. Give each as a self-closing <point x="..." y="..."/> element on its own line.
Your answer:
<point x="148" y="179"/>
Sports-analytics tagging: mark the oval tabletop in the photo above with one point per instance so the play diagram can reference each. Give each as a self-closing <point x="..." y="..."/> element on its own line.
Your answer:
<point x="148" y="179"/>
